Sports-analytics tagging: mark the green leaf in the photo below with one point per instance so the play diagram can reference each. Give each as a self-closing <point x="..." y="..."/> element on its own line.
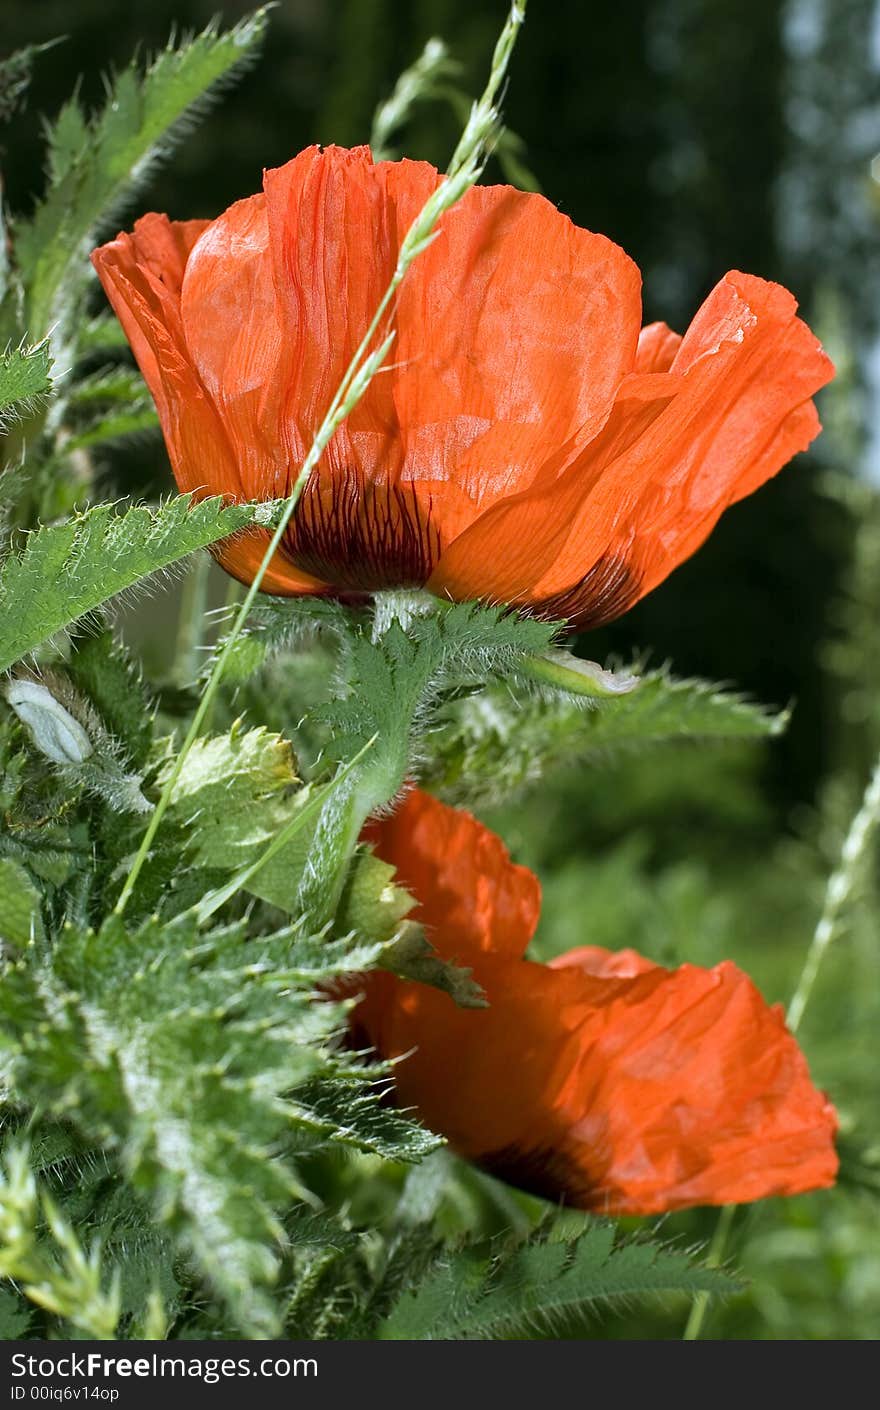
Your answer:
<point x="354" y="1115"/>
<point x="493" y="744"/>
<point x="179" y="1052"/>
<point x="24" y="380"/>
<point x="228" y="798"/>
<point x="279" y="623"/>
<point x="64" y="571"/>
<point x="102" y="668"/>
<point x="468" y="1296"/>
<point x="95" y="164"/>
<point x="20" y="915"/>
<point x="396" y="669"/>
<point x="15" y="75"/>
<point x="200" y="1062"/>
<point x="15" y="1316"/>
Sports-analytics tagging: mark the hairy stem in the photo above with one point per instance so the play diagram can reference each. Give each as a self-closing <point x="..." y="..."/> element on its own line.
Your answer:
<point x="191" y="623"/>
<point x="713" y="1258"/>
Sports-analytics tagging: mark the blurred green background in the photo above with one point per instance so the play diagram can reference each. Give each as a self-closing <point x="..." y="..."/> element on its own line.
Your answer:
<point x="702" y="135"/>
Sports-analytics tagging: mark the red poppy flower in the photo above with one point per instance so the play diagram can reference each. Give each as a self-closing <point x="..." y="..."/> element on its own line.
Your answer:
<point x="601" y="1079"/>
<point x="529" y="445"/>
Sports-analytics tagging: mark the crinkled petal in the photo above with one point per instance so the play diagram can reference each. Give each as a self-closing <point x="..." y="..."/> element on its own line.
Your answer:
<point x="611" y="1083"/>
<point x="734" y="406"/>
<point x="143" y="275"/>
<point x="513" y="330"/>
<point x="657" y="348"/>
<point x="472" y="898"/>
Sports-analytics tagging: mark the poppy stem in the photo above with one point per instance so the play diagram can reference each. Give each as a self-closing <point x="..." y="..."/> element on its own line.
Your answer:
<point x="191" y="622"/>
<point x="841" y="885"/>
<point x="463" y="172"/>
<point x="716" y="1253"/>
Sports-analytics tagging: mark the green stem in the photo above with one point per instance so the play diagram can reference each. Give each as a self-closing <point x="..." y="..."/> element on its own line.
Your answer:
<point x="191" y="623"/>
<point x="838" y="891"/>
<point x="464" y="170"/>
<point x="716" y="1252"/>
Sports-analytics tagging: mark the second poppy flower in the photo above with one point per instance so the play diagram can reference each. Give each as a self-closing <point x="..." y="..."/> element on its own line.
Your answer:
<point x="601" y="1079"/>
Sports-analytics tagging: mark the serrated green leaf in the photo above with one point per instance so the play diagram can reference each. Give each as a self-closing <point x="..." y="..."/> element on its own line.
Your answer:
<point x="64" y="571"/>
<point x="184" y="1054"/>
<point x="68" y="139"/>
<point x="493" y="744"/>
<point x="15" y="75"/>
<point x="469" y="1297"/>
<point x="276" y="623"/>
<point x="24" y="379"/>
<point x="102" y="668"/>
<point x="94" y="165"/>
<point x="20" y="913"/>
<point x="355" y="1116"/>
<point x="395" y="671"/>
<point x="224" y="797"/>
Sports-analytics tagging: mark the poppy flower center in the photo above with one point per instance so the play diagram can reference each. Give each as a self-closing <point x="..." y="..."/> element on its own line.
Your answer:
<point x="354" y="533"/>
<point x="608" y="590"/>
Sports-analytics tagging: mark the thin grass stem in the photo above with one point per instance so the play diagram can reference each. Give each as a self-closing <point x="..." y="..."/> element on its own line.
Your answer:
<point x="838" y="891"/>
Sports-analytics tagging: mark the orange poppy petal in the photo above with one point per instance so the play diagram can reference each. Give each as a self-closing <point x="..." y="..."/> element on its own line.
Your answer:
<point x="472" y="898"/>
<point x="611" y="1083"/>
<point x="334" y="241"/>
<point x="495" y="366"/>
<point x="242" y="554"/>
<point x="142" y="275"/>
<point x="235" y="342"/>
<point x="740" y="407"/>
<point x="657" y="348"/>
<point x="519" y="544"/>
<point x="515" y="330"/>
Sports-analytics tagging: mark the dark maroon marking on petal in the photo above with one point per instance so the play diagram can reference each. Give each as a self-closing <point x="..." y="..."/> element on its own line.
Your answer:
<point x="543" y="1170"/>
<point x="359" y="535"/>
<point x="608" y="590"/>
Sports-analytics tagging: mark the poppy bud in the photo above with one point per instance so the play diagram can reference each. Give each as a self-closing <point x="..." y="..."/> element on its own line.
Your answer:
<point x="53" y="729"/>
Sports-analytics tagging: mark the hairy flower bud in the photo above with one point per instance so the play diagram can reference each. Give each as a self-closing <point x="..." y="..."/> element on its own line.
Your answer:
<point x="53" y="729"/>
